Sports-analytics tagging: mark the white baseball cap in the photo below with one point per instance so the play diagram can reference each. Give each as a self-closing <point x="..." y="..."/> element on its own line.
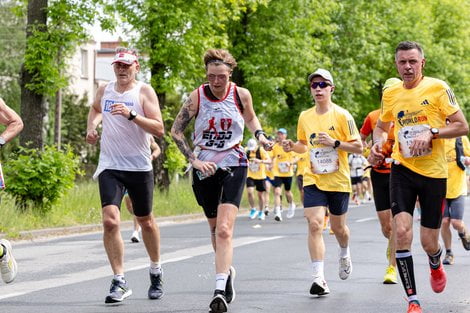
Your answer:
<point x="322" y="73"/>
<point x="125" y="57"/>
<point x="251" y="145"/>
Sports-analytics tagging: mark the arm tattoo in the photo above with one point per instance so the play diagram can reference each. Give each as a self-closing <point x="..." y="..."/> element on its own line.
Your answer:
<point x="181" y="122"/>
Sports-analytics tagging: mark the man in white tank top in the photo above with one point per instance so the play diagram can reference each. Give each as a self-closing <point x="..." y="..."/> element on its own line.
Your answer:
<point x="130" y="115"/>
<point x="221" y="110"/>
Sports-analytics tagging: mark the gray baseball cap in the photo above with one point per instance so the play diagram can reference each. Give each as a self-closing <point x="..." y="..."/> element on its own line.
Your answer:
<point x="322" y="73"/>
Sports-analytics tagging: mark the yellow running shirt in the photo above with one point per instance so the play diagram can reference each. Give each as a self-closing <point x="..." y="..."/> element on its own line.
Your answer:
<point x="456" y="183"/>
<point x="340" y="125"/>
<point x="282" y="161"/>
<point x="257" y="170"/>
<point x="414" y="111"/>
<point x="303" y="163"/>
<point x="268" y="167"/>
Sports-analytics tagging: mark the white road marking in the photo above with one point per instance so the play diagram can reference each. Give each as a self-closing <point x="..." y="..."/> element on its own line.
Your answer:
<point x="362" y="220"/>
<point x="22" y="288"/>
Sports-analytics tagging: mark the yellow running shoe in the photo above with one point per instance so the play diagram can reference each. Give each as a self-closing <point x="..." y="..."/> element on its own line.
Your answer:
<point x="390" y="276"/>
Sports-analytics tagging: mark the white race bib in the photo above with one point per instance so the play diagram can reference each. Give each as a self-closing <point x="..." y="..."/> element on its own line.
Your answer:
<point x="254" y="167"/>
<point x="407" y="134"/>
<point x="283" y="167"/>
<point x="324" y="160"/>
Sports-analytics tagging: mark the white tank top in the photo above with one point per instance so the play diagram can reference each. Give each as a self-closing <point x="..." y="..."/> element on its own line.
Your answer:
<point x="124" y="145"/>
<point x="218" y="129"/>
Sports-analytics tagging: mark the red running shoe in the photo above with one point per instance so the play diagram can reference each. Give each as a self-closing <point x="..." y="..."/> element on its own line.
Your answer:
<point x="438" y="279"/>
<point x="414" y="307"/>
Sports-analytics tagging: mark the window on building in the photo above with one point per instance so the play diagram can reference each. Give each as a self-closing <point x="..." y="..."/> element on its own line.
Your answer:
<point x="84" y="57"/>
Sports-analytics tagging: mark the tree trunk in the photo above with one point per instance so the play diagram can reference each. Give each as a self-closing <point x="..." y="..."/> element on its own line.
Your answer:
<point x="33" y="105"/>
<point x="161" y="173"/>
<point x="58" y="118"/>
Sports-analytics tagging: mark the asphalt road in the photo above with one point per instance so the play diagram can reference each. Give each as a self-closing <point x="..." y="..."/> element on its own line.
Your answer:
<point x="71" y="274"/>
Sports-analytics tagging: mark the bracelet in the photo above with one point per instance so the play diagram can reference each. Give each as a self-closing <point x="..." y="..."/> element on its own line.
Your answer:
<point x="259" y="132"/>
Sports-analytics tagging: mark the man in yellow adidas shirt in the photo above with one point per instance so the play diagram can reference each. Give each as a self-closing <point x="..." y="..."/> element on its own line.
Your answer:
<point x="283" y="170"/>
<point x="457" y="155"/>
<point x="328" y="132"/>
<point x="418" y="109"/>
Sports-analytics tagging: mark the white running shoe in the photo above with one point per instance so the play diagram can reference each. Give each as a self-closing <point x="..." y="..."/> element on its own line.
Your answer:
<point x="319" y="286"/>
<point x="8" y="265"/>
<point x="291" y="211"/>
<point x="277" y="215"/>
<point x="135" y="236"/>
<point x="261" y="215"/>
<point x="345" y="267"/>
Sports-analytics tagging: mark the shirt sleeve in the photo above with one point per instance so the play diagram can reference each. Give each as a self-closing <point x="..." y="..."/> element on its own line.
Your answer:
<point x="300" y="129"/>
<point x="366" y="128"/>
<point x="446" y="100"/>
<point x="351" y="131"/>
<point x="466" y="146"/>
<point x="385" y="111"/>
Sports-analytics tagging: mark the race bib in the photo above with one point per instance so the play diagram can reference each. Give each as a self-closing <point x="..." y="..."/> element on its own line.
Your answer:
<point x="254" y="167"/>
<point x="407" y="134"/>
<point x="324" y="160"/>
<point x="283" y="167"/>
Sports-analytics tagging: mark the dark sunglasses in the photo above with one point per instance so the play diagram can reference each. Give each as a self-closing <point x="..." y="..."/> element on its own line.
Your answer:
<point x="322" y="85"/>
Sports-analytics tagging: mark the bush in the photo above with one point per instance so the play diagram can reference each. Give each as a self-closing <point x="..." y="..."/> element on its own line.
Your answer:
<point x="38" y="179"/>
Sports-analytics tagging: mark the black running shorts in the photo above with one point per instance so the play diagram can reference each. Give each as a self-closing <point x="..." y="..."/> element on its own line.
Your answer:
<point x="381" y="190"/>
<point x="356" y="180"/>
<point x="225" y="186"/>
<point x="114" y="183"/>
<point x="286" y="181"/>
<point x="337" y="202"/>
<point x="258" y="183"/>
<point x="406" y="186"/>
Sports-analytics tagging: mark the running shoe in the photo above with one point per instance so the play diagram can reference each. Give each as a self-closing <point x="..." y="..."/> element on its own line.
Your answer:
<point x="219" y="302"/>
<point x="438" y="279"/>
<point x="135" y="236"/>
<point x="266" y="211"/>
<point x="319" y="286"/>
<point x="414" y="307"/>
<point x="8" y="265"/>
<point x="261" y="215"/>
<point x="291" y="211"/>
<point x="390" y="276"/>
<point x="230" y="286"/>
<point x="156" y="286"/>
<point x="118" y="291"/>
<point x="448" y="259"/>
<point x="277" y="215"/>
<point x="253" y="213"/>
<point x="465" y="241"/>
<point x="345" y="267"/>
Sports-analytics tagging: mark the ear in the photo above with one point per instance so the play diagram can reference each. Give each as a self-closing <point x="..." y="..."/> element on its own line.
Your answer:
<point x="332" y="89"/>
<point x="422" y="64"/>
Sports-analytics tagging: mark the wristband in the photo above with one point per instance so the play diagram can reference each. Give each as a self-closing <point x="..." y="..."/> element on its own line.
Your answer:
<point x="259" y="132"/>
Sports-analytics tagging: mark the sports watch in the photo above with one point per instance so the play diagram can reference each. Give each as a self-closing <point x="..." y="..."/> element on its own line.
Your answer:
<point x="132" y="115"/>
<point x="434" y="132"/>
<point x="337" y="143"/>
<point x="2" y="141"/>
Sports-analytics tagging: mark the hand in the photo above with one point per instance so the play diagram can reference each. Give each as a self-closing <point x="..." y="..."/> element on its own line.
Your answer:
<point x="466" y="162"/>
<point x="120" y="109"/>
<point x="265" y="143"/>
<point x="376" y="156"/>
<point x="207" y="168"/>
<point x="256" y="161"/>
<point x="421" y="144"/>
<point x="92" y="136"/>
<point x="287" y="145"/>
<point x="154" y="155"/>
<point x="325" y="139"/>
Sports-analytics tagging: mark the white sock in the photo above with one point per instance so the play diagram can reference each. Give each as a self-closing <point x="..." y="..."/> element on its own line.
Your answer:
<point x="155" y="267"/>
<point x="277" y="209"/>
<point x="221" y="281"/>
<point x="119" y="277"/>
<point x="318" y="268"/>
<point x="344" y="252"/>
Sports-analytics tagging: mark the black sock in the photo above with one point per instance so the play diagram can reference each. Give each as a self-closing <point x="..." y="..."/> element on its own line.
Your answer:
<point x="448" y="251"/>
<point x="4" y="251"/>
<point x="405" y="268"/>
<point x="435" y="260"/>
<point x="461" y="235"/>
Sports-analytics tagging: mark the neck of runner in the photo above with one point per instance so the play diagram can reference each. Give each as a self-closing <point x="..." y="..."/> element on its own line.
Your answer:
<point x="413" y="84"/>
<point x="220" y="93"/>
<point x="123" y="87"/>
<point x="323" y="106"/>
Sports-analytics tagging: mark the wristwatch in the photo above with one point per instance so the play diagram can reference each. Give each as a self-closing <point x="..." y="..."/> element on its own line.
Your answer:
<point x="132" y="115"/>
<point x="434" y="132"/>
<point x="2" y="141"/>
<point x="337" y="143"/>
